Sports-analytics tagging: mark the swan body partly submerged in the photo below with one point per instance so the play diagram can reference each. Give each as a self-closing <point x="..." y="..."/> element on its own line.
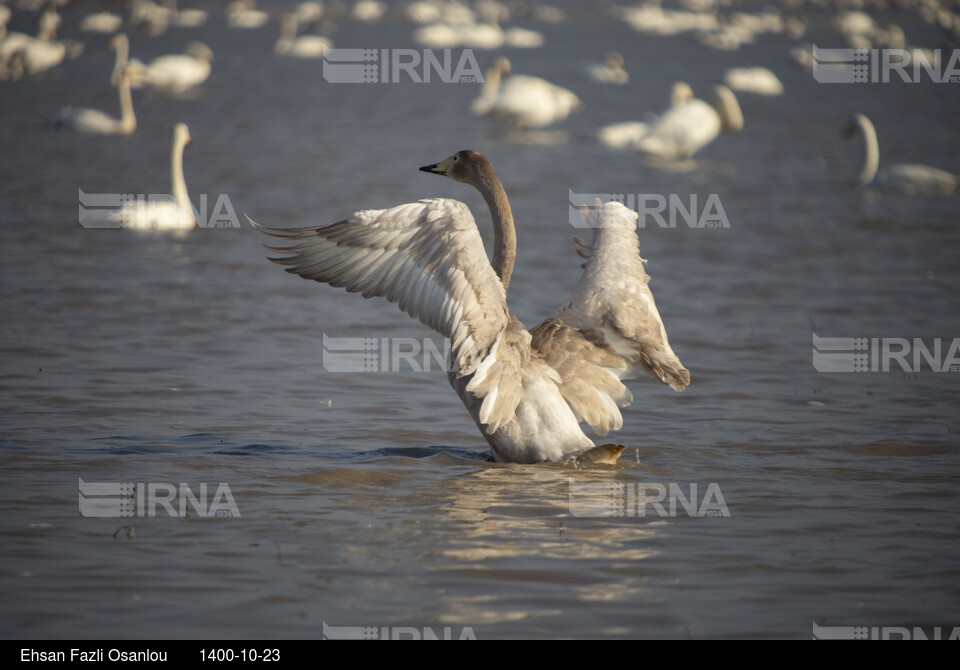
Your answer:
<point x="611" y="71"/>
<point x="527" y="391"/>
<point x="758" y="80"/>
<point x="627" y="134"/>
<point x="174" y="74"/>
<point x="302" y="46"/>
<point x="906" y="177"/>
<point x="174" y="214"/>
<point x="522" y="101"/>
<point x="95" y="122"/>
<point x="687" y="127"/>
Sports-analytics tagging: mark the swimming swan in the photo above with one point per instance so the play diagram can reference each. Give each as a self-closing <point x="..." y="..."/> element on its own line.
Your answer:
<point x="174" y="214"/>
<point x="174" y="74"/>
<point x="757" y="80"/>
<point x="906" y="178"/>
<point x="611" y="71"/>
<point x="303" y="46"/>
<point x="627" y="134"/>
<point x="527" y="391"/>
<point x="520" y="100"/>
<point x="95" y="122"/>
<point x="686" y="128"/>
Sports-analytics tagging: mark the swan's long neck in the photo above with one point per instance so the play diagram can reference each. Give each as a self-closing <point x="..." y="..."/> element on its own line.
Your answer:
<point x="490" y="89"/>
<point x="128" y="122"/>
<point x="178" y="185"/>
<point x="288" y="34"/>
<point x="871" y="160"/>
<point x="504" y="233"/>
<point x="123" y="55"/>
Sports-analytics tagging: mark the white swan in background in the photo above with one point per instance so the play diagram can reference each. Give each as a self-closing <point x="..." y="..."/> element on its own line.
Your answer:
<point x="95" y="122"/>
<point x="164" y="214"/>
<point x="101" y="22"/>
<point x="627" y="133"/>
<point x="611" y="71"/>
<point x="309" y="11"/>
<point x="689" y="126"/>
<point x="424" y="11"/>
<point x="522" y="101"/>
<point x="33" y="55"/>
<point x="522" y="38"/>
<point x="469" y="35"/>
<point x="304" y="46"/>
<point x="244" y="14"/>
<point x="150" y="16"/>
<point x="42" y="55"/>
<point x="527" y="391"/>
<point x="757" y="80"/>
<point x="185" y="18"/>
<point x="368" y="11"/>
<point x="907" y="177"/>
<point x="174" y="74"/>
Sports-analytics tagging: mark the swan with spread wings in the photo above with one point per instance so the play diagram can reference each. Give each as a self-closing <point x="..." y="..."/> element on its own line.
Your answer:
<point x="527" y="390"/>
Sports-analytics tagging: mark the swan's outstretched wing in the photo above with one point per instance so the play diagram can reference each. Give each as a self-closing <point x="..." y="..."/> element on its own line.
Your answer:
<point x="428" y="257"/>
<point x="609" y="327"/>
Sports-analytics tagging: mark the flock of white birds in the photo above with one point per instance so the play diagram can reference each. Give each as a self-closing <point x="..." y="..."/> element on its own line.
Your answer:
<point x="528" y="391"/>
<point x="513" y="99"/>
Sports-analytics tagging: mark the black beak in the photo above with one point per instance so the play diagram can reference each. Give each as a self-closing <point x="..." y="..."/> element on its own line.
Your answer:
<point x="433" y="169"/>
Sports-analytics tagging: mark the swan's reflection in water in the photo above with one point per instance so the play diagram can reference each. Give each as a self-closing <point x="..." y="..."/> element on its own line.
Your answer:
<point x="516" y="526"/>
<point x="497" y="541"/>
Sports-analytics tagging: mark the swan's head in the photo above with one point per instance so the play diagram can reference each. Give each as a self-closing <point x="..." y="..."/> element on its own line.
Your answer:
<point x="731" y="116"/>
<point x="501" y="67"/>
<point x="49" y="23"/>
<point x="181" y="135"/>
<point x="857" y="122"/>
<point x="680" y="93"/>
<point x="200" y="51"/>
<point x="465" y="166"/>
<point x="614" y="60"/>
<point x="118" y="41"/>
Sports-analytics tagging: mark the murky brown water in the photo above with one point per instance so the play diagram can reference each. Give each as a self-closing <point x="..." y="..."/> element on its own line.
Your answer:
<point x="365" y="499"/>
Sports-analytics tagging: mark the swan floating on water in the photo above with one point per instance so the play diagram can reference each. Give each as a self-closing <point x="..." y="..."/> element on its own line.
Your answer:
<point x="245" y="15"/>
<point x="757" y="80"/>
<point x="101" y="22"/>
<point x="174" y="74"/>
<point x="687" y="127"/>
<point x="906" y="177"/>
<point x="304" y="46"/>
<point x="521" y="100"/>
<point x="611" y="71"/>
<point x="95" y="122"/>
<point x="527" y="391"/>
<point x="164" y="214"/>
<point x="23" y="54"/>
<point x="626" y="134"/>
